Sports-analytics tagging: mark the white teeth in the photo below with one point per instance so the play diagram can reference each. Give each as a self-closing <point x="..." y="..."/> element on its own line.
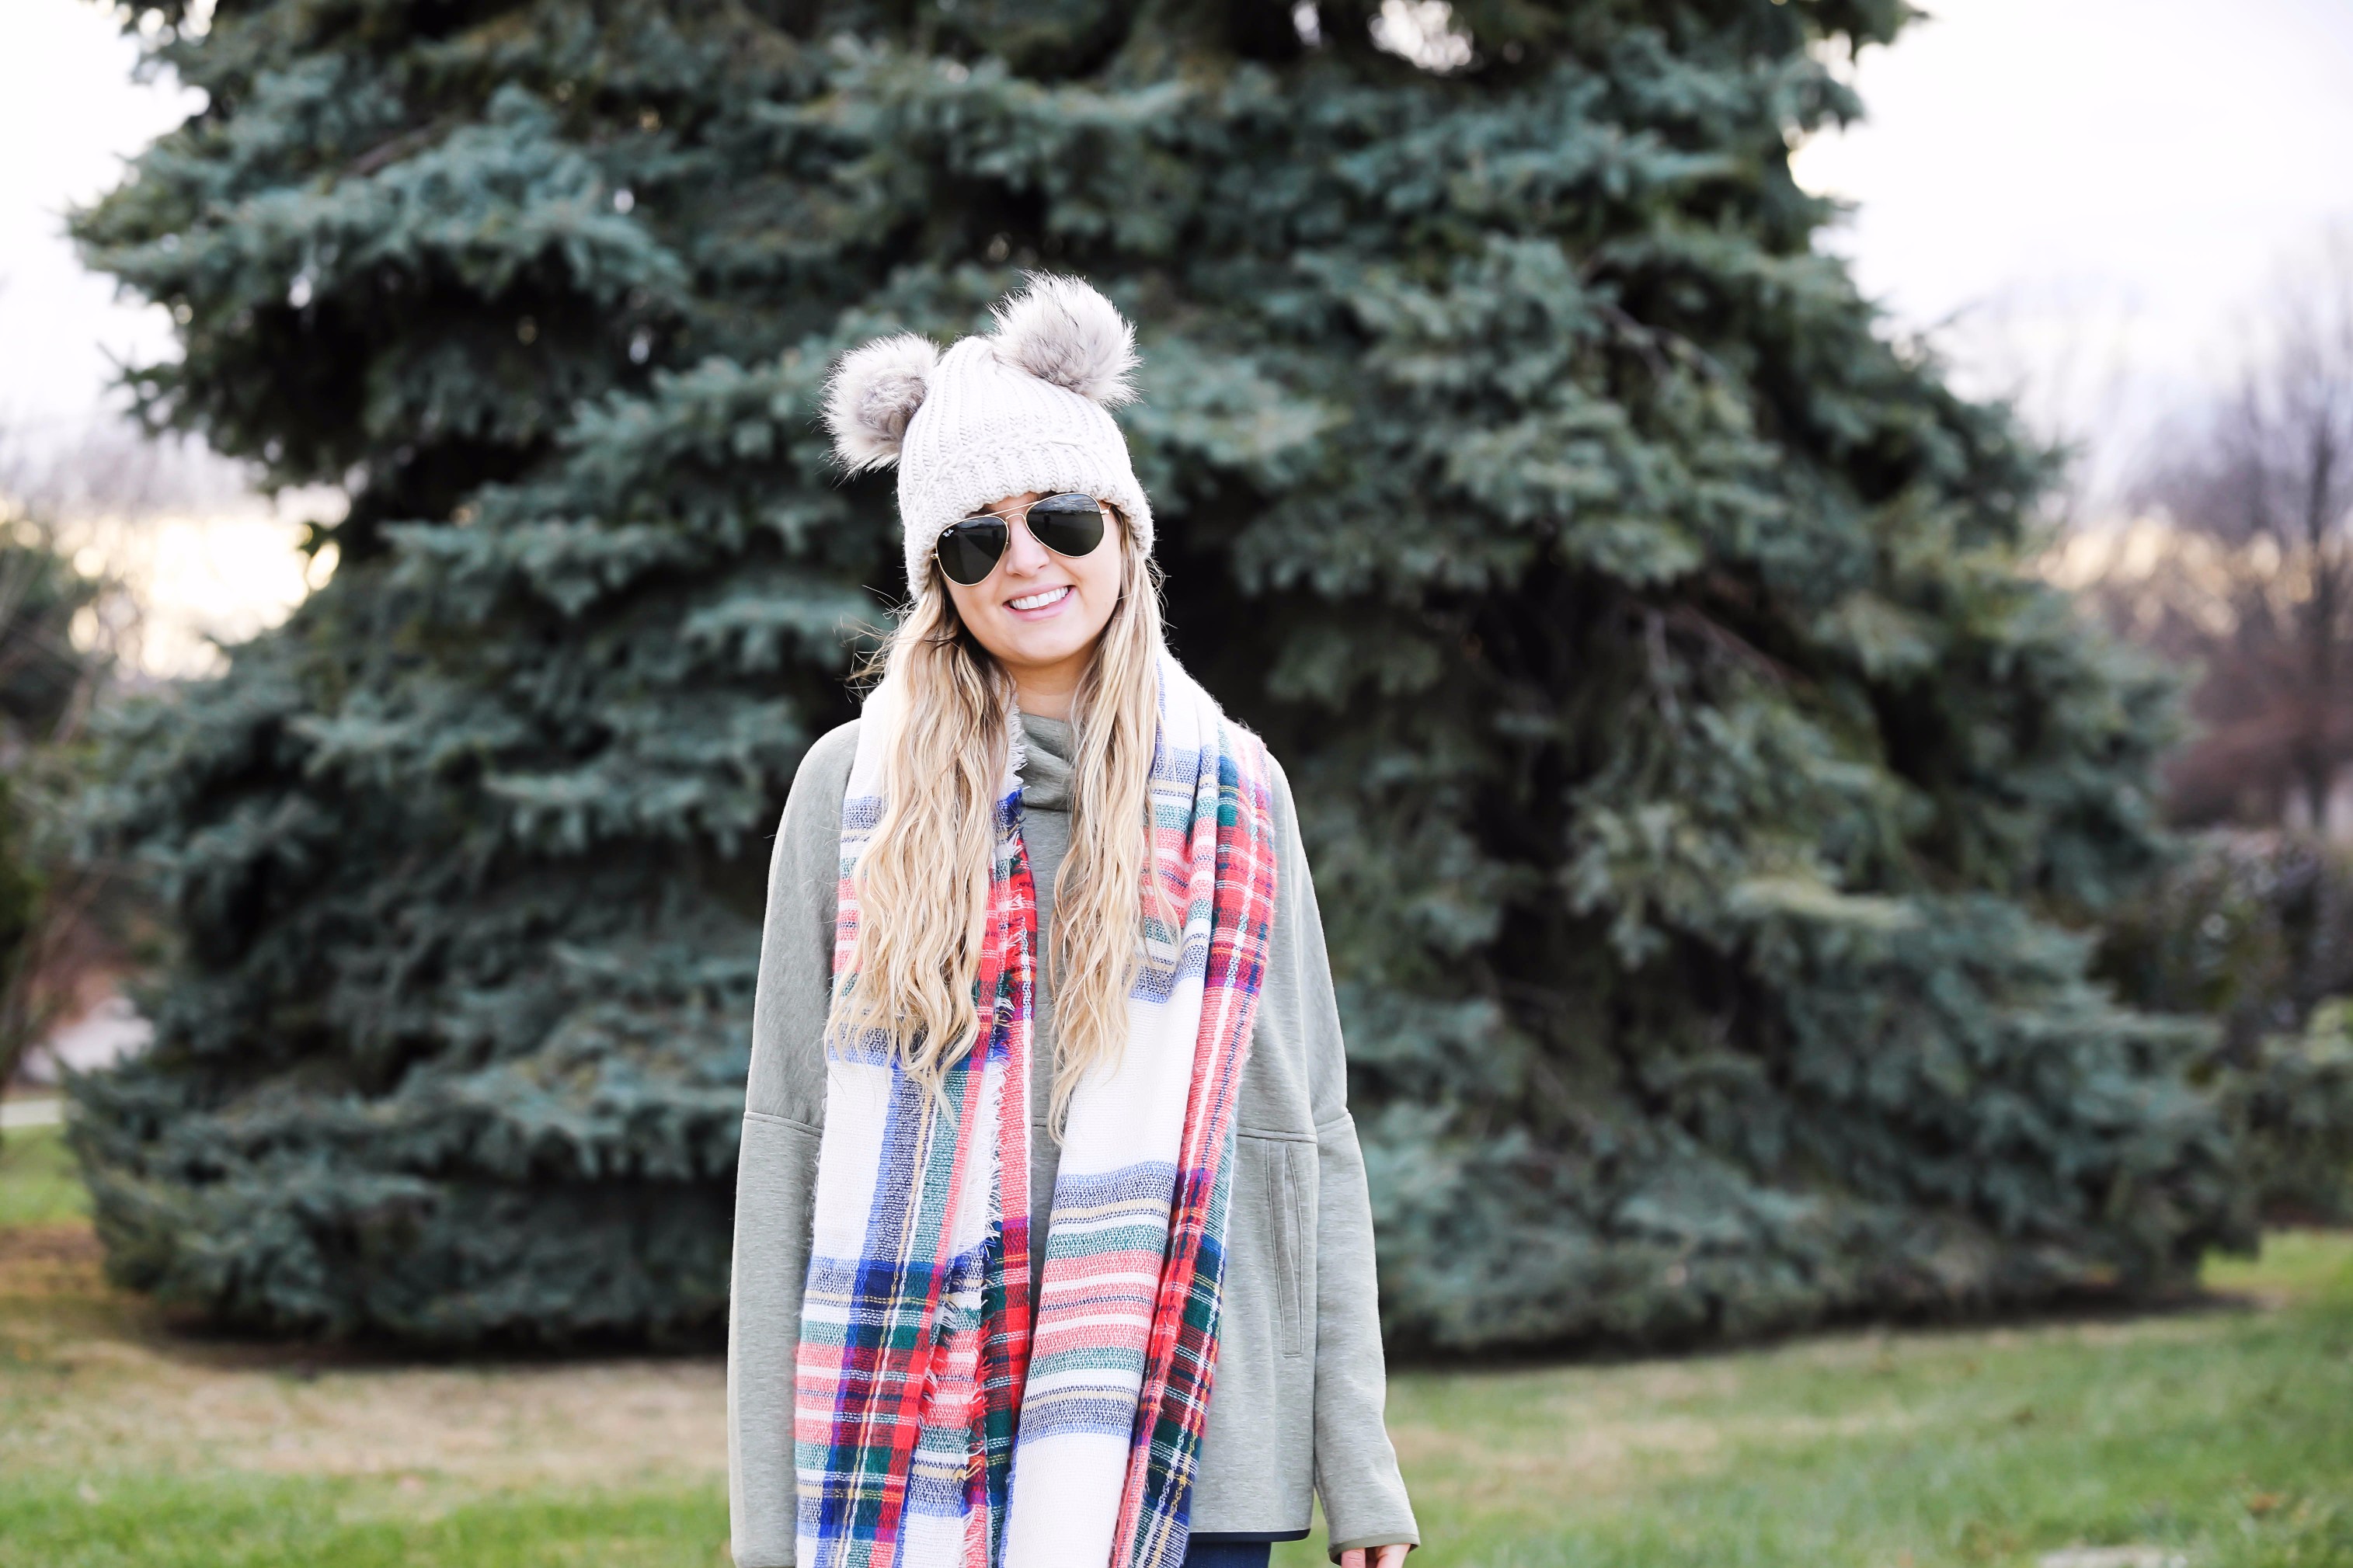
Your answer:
<point x="1040" y="600"/>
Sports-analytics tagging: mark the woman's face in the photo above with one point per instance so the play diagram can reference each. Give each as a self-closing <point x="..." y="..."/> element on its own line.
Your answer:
<point x="1039" y="613"/>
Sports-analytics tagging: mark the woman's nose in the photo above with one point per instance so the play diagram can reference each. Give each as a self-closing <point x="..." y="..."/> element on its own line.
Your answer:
<point x="1023" y="554"/>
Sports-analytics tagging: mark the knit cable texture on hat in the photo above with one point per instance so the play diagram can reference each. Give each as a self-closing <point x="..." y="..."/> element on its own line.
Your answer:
<point x="1026" y="407"/>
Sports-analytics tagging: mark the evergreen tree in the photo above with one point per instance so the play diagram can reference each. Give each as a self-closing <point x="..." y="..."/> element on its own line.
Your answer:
<point x="1699" y="791"/>
<point x="48" y="679"/>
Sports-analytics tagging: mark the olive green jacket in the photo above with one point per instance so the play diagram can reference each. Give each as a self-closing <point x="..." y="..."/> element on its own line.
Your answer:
<point x="1296" y="1407"/>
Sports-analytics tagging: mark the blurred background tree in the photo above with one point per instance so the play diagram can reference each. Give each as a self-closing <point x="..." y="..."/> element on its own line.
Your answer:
<point x="49" y="677"/>
<point x="1706" y="803"/>
<point x="2242" y="573"/>
<point x="2252" y="583"/>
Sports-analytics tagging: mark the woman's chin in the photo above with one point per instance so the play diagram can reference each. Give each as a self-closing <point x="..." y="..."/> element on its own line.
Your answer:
<point x="1042" y="641"/>
<point x="1040" y="651"/>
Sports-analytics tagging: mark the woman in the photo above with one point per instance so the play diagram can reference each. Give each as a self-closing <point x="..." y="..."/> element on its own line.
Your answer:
<point x="1052" y="1240"/>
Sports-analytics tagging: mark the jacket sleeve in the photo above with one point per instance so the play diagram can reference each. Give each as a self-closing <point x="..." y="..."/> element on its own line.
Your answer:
<point x="775" y="1172"/>
<point x="1356" y="1474"/>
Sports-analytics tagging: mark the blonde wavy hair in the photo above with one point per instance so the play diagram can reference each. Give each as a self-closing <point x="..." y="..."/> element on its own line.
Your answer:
<point x="922" y="880"/>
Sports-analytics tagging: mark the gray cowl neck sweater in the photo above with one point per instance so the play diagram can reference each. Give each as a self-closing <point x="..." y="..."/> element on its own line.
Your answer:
<point x="1046" y="835"/>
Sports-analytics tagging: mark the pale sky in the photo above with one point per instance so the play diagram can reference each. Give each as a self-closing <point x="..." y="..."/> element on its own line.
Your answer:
<point x="2082" y="196"/>
<point x="2094" y="190"/>
<point x="206" y="561"/>
<point x="69" y="113"/>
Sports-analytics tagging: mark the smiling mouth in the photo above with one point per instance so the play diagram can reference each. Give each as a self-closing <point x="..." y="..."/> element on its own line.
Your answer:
<point x="1040" y="600"/>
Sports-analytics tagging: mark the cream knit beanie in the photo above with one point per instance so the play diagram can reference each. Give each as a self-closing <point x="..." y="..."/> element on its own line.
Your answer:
<point x="1024" y="408"/>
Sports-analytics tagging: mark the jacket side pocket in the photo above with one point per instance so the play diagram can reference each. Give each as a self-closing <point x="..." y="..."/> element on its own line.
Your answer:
<point x="1285" y="1191"/>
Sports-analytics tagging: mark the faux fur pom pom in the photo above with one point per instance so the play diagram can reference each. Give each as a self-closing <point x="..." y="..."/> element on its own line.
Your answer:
<point x="875" y="390"/>
<point x="1061" y="330"/>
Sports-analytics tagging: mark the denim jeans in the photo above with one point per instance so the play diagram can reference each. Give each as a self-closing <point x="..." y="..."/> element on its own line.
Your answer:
<point x="1226" y="1555"/>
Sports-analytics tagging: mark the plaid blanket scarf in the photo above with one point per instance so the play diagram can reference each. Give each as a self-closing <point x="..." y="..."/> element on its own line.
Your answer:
<point x="938" y="1418"/>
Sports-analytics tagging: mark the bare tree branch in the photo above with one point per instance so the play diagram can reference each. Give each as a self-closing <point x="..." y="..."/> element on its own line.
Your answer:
<point x="2265" y="476"/>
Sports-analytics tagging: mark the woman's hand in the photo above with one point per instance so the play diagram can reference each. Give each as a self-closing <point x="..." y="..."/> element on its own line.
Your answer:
<point x="1382" y="1556"/>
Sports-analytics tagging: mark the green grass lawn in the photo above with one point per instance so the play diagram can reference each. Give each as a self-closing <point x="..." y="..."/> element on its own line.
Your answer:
<point x="38" y="1185"/>
<point x="2224" y="1435"/>
<point x="160" y="1522"/>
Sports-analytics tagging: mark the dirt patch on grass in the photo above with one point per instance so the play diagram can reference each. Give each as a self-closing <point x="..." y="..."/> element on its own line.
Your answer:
<point x="1498" y="1442"/>
<point x="93" y="1378"/>
<point x="1583" y="1459"/>
<point x="1581" y="1452"/>
<point x="603" y="1423"/>
<point x="41" y="1262"/>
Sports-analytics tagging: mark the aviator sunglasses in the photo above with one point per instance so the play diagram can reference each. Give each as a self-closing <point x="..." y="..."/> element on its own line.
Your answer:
<point x="1068" y="525"/>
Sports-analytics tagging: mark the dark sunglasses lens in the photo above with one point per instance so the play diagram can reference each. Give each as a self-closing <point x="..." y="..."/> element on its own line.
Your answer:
<point x="1067" y="525"/>
<point x="970" y="550"/>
